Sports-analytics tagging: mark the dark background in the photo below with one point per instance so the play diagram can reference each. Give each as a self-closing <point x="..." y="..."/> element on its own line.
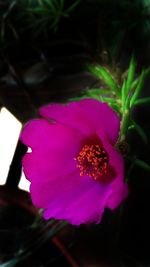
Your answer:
<point x="38" y="68"/>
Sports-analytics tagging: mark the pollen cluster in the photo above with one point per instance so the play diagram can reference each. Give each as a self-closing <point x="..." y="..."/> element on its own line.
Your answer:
<point x="93" y="161"/>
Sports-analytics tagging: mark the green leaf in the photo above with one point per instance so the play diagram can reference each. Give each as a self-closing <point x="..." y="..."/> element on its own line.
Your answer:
<point x="131" y="73"/>
<point x="93" y="91"/>
<point x="10" y="8"/>
<point x="142" y="164"/>
<point x="73" y="6"/>
<point x="136" y="81"/>
<point x="111" y="102"/>
<point x="37" y="10"/>
<point x="131" y="127"/>
<point x="91" y="94"/>
<point x="142" y="101"/>
<point x="138" y="88"/>
<point x="124" y="97"/>
<point x="141" y="132"/>
<point x="105" y="76"/>
<point x="115" y="107"/>
<point x="51" y="4"/>
<point x="98" y="92"/>
<point x="105" y="91"/>
<point x="10" y="263"/>
<point x="123" y="93"/>
<point x="77" y="98"/>
<point x="139" y="162"/>
<point x="108" y="100"/>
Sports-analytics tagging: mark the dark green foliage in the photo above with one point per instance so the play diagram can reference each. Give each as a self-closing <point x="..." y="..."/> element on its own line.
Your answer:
<point x="18" y="16"/>
<point x="100" y="25"/>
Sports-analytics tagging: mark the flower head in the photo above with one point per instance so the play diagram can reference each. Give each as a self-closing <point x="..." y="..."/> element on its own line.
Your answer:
<point x="74" y="169"/>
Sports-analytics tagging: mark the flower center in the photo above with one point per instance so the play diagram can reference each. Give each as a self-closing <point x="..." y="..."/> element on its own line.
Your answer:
<point x="93" y="161"/>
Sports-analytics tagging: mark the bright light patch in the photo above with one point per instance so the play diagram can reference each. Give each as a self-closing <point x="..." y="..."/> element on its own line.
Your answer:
<point x="10" y="129"/>
<point x="24" y="184"/>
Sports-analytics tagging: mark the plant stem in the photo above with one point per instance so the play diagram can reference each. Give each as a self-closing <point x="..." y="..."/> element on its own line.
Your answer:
<point x="124" y="125"/>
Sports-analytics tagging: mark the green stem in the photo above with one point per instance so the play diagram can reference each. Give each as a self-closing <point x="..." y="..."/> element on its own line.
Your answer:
<point x="124" y="125"/>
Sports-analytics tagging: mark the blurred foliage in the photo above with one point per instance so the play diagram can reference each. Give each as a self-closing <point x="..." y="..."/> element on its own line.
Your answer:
<point x="44" y="39"/>
<point x="24" y="235"/>
<point x="39" y="15"/>
<point x="122" y="94"/>
<point x="45" y="14"/>
<point x="100" y="25"/>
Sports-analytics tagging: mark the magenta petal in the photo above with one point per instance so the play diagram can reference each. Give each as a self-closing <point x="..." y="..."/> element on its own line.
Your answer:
<point x="56" y="184"/>
<point x="39" y="168"/>
<point x="33" y="132"/>
<point x="119" y="189"/>
<point x="84" y="203"/>
<point x="41" y="134"/>
<point x="120" y="192"/>
<point x="72" y="197"/>
<point x="52" y="150"/>
<point x="87" y="115"/>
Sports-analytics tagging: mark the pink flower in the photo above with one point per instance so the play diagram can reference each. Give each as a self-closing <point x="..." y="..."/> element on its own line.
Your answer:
<point x="74" y="169"/>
